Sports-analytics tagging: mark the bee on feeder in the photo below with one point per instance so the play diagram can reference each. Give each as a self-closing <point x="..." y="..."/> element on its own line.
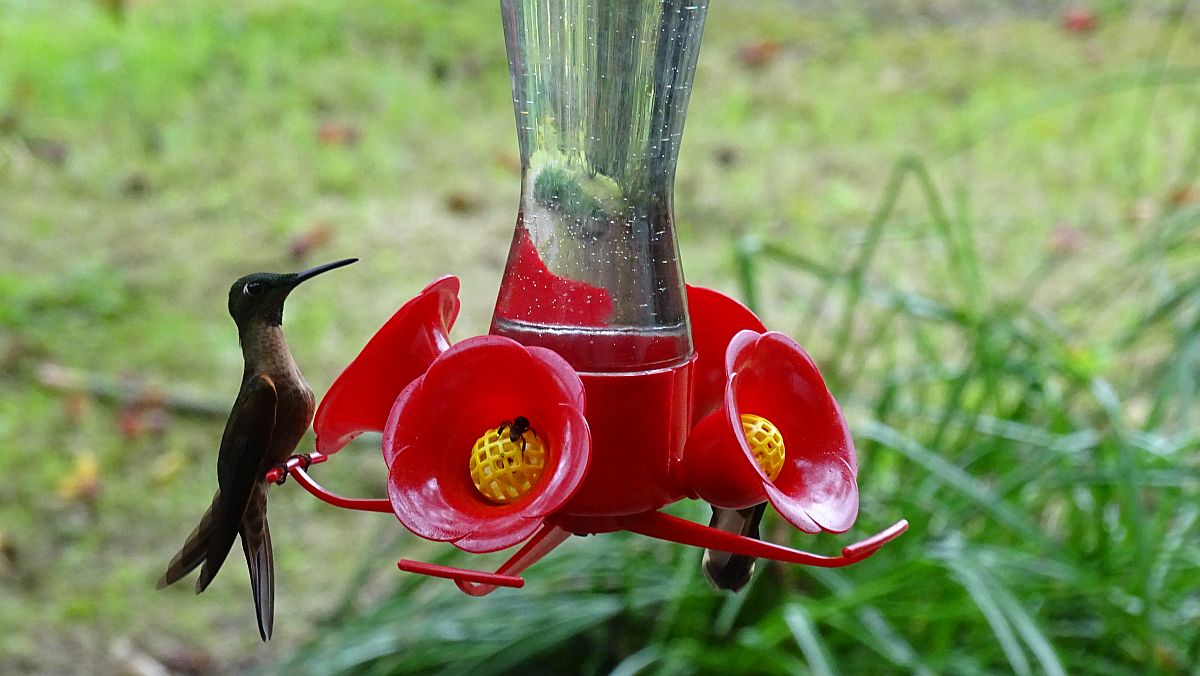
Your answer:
<point x="517" y="428"/>
<point x="499" y="466"/>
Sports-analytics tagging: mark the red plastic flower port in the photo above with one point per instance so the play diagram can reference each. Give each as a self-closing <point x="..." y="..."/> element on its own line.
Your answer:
<point x="716" y="319"/>
<point x="400" y="351"/>
<point x="769" y="376"/>
<point x="468" y="392"/>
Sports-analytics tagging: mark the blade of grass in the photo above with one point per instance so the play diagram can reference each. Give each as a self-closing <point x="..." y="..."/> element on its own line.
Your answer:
<point x="635" y="663"/>
<point x="952" y="477"/>
<point x="1154" y="71"/>
<point x="815" y="652"/>
<point x="887" y="641"/>
<point x="1029" y="631"/>
<point x="972" y="580"/>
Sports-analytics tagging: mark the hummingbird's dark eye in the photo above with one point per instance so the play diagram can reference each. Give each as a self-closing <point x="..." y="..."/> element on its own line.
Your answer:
<point x="254" y="288"/>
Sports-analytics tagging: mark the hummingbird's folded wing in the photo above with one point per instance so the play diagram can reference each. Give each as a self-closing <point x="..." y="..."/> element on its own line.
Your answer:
<point x="243" y="449"/>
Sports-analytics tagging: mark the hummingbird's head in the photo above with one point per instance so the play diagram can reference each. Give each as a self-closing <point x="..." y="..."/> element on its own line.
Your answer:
<point x="260" y="296"/>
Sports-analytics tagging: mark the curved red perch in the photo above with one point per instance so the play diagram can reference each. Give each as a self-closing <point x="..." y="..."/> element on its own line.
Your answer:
<point x="673" y="529"/>
<point x="295" y="466"/>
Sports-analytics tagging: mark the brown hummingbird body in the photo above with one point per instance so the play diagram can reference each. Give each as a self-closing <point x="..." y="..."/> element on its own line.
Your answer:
<point x="732" y="571"/>
<point x="273" y="410"/>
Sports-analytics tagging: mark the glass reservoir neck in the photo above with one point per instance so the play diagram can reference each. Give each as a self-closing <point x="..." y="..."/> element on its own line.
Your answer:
<point x="600" y="91"/>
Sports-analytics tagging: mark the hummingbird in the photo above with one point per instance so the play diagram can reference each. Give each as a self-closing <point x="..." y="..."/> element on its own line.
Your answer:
<point x="732" y="571"/>
<point x="273" y="410"/>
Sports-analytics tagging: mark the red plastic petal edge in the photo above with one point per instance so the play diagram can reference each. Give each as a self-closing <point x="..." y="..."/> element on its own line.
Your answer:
<point x="401" y="350"/>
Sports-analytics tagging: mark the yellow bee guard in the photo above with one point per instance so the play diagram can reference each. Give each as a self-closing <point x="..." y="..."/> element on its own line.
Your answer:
<point x="765" y="442"/>
<point x="501" y="470"/>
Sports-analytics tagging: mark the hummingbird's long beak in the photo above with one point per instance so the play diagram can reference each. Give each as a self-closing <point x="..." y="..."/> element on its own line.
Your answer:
<point x="313" y="272"/>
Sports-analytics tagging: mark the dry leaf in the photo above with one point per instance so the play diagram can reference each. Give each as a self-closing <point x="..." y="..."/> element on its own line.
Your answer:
<point x="726" y="156"/>
<point x="8" y="553"/>
<point x="1143" y="210"/>
<point x="82" y="482"/>
<point x="50" y="151"/>
<point x="115" y="7"/>
<point x="461" y="203"/>
<point x="333" y="133"/>
<point x="167" y="467"/>
<point x="1079" y="20"/>
<point x="135" y="184"/>
<point x="316" y="236"/>
<point x="1066" y="240"/>
<point x="759" y="54"/>
<point x="181" y="660"/>
<point x="134" y="661"/>
<point x="509" y="161"/>
<point x="76" y="406"/>
<point x="1185" y="195"/>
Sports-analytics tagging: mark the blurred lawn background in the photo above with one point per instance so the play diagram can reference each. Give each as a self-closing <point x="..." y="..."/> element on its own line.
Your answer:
<point x="981" y="219"/>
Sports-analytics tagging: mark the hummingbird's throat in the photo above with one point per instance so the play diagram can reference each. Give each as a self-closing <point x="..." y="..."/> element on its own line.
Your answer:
<point x="265" y="350"/>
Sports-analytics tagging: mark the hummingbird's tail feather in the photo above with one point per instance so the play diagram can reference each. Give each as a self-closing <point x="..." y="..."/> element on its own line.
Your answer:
<point x="227" y="523"/>
<point x="194" y="550"/>
<point x="732" y="571"/>
<point x="260" y="561"/>
<point x="256" y="545"/>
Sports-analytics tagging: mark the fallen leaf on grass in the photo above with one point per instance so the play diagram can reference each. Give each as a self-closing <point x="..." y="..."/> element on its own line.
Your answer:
<point x="1185" y="195"/>
<point x="1143" y="210"/>
<point x="333" y="133"/>
<point x="142" y="417"/>
<point x="726" y="156"/>
<point x="167" y="467"/>
<point x="760" y="54"/>
<point x="115" y="7"/>
<point x="1079" y="20"/>
<point x="1066" y="240"/>
<point x="82" y="482"/>
<point x="134" y="661"/>
<point x="508" y="161"/>
<point x="135" y="184"/>
<point x="461" y="203"/>
<point x="8" y="123"/>
<point x="76" y="406"/>
<point x="51" y="151"/>
<point x="8" y="554"/>
<point x="187" y="661"/>
<point x="315" y="237"/>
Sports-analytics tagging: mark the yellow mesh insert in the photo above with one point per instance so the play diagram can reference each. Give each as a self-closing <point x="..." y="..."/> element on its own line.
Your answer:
<point x="501" y="470"/>
<point x="765" y="442"/>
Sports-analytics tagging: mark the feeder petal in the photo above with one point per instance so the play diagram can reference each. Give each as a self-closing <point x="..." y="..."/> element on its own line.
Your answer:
<point x="467" y="390"/>
<point x="716" y="318"/>
<point x="770" y="376"/>
<point x="402" y="349"/>
<point x="773" y="377"/>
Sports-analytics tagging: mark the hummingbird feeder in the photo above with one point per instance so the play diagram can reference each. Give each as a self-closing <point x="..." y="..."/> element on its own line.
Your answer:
<point x="607" y="388"/>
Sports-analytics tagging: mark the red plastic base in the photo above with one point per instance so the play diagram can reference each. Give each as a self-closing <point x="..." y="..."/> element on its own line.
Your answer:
<point x="639" y="424"/>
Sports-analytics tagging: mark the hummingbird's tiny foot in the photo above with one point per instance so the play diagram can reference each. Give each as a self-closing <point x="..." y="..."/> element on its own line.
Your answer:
<point x="301" y="460"/>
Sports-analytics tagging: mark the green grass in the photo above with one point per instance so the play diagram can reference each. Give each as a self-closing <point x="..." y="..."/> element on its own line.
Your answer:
<point x="972" y="227"/>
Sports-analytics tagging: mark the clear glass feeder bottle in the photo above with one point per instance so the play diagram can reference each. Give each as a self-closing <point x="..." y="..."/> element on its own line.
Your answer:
<point x="600" y="90"/>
